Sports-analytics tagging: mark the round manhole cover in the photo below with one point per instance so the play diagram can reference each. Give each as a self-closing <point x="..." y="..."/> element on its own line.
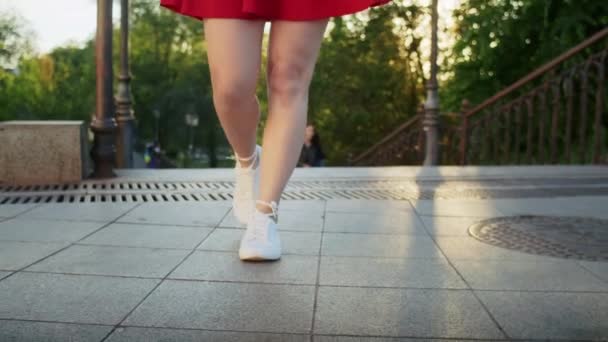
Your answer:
<point x="563" y="237"/>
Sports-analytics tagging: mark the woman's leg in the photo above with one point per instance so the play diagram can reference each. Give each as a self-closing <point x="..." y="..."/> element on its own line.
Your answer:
<point x="292" y="54"/>
<point x="234" y="53"/>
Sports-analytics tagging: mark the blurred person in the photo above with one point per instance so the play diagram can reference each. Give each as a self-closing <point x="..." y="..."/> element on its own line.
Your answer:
<point x="312" y="154"/>
<point x="156" y="155"/>
<point x="152" y="155"/>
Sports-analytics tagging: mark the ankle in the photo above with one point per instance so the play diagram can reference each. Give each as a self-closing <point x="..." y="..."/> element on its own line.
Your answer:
<point x="268" y="207"/>
<point x="245" y="162"/>
<point x="263" y="208"/>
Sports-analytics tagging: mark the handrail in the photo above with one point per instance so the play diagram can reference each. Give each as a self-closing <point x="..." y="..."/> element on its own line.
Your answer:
<point x="395" y="132"/>
<point x="540" y="71"/>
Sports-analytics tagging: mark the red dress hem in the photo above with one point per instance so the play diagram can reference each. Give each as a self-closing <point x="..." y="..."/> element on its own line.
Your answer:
<point x="268" y="10"/>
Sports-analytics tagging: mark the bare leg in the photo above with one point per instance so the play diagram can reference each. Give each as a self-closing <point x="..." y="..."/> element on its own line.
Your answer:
<point x="293" y="51"/>
<point x="234" y="53"/>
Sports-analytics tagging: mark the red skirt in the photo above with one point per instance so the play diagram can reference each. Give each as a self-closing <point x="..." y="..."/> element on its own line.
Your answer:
<point x="269" y="9"/>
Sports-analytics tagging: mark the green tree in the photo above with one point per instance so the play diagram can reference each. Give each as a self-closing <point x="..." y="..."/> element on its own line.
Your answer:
<point x="14" y="43"/>
<point x="171" y="75"/>
<point x="500" y="41"/>
<point x="368" y="79"/>
<point x="14" y="39"/>
<point x="57" y="86"/>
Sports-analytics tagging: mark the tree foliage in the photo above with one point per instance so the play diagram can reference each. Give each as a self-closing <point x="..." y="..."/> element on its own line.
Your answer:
<point x="365" y="83"/>
<point x="14" y="40"/>
<point x="500" y="41"/>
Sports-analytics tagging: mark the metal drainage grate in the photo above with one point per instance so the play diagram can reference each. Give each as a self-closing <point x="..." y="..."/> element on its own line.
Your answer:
<point x="185" y="197"/>
<point x="563" y="237"/>
<point x="139" y="185"/>
<point x="221" y="190"/>
<point x="88" y="186"/>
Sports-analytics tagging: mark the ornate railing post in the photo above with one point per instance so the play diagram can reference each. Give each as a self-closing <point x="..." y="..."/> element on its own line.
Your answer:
<point x="124" y="113"/>
<point x="103" y="124"/>
<point x="464" y="132"/>
<point x="431" y="117"/>
<point x="421" y="134"/>
<point x="600" y="110"/>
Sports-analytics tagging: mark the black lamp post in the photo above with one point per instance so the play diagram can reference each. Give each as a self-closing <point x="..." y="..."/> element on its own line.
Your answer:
<point x="125" y="139"/>
<point x="191" y="121"/>
<point x="431" y="115"/>
<point x="103" y="124"/>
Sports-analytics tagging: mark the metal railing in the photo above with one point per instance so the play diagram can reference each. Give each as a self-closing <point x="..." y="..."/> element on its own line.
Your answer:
<point x="558" y="114"/>
<point x="555" y="115"/>
<point x="404" y="146"/>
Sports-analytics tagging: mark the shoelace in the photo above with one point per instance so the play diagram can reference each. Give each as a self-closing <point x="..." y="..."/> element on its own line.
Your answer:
<point x="259" y="231"/>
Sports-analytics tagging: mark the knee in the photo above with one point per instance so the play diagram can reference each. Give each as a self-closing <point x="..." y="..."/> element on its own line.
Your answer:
<point x="287" y="80"/>
<point x="233" y="96"/>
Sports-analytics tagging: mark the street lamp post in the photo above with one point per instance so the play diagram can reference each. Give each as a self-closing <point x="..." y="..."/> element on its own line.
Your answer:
<point x="191" y="121"/>
<point x="431" y="115"/>
<point x="103" y="124"/>
<point x="124" y="114"/>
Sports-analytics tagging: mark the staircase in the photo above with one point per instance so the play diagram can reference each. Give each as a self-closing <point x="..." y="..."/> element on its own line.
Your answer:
<point x="557" y="114"/>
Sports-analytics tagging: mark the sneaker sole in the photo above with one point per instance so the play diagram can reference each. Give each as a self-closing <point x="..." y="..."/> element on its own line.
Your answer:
<point x="257" y="257"/>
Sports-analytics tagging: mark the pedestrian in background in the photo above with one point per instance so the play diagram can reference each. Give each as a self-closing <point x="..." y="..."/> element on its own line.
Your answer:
<point x="312" y="154"/>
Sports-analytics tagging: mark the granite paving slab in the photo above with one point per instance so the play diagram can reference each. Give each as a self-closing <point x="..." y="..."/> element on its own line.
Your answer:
<point x="205" y="214"/>
<point x="151" y="236"/>
<point x="389" y="272"/>
<point x="97" y="211"/>
<point x="109" y="260"/>
<point x="448" y="225"/>
<point x="458" y="208"/>
<point x="549" y="315"/>
<point x="599" y="268"/>
<point x="10" y="210"/>
<point x="51" y="332"/>
<point x="70" y="298"/>
<point x="367" y="206"/>
<point x="320" y="338"/>
<point x="227" y="306"/>
<point x="46" y="230"/>
<point x="227" y="240"/>
<point x="136" y="334"/>
<point x="402" y="313"/>
<point x="15" y="255"/>
<point x="371" y="245"/>
<point x="374" y="223"/>
<point x="456" y="247"/>
<point x="222" y="266"/>
<point x="530" y="275"/>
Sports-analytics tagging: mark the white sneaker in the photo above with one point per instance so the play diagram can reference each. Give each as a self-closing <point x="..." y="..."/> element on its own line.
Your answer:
<point x="261" y="240"/>
<point x="246" y="185"/>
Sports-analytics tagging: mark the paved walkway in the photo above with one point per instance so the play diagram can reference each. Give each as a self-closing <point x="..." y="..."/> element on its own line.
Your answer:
<point x="353" y="270"/>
